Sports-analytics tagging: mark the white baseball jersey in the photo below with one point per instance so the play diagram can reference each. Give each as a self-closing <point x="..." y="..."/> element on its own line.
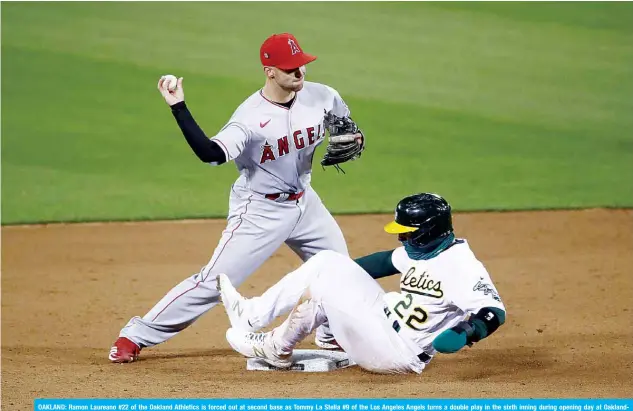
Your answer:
<point x="437" y="294"/>
<point x="273" y="145"/>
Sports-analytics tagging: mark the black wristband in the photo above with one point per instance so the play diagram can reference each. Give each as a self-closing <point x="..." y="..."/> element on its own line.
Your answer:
<point x="485" y="322"/>
<point x="490" y="318"/>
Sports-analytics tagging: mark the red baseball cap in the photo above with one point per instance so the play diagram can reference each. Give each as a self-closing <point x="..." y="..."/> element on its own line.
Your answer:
<point x="283" y="51"/>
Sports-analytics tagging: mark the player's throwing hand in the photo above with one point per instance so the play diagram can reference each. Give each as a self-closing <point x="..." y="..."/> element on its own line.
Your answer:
<point x="171" y="89"/>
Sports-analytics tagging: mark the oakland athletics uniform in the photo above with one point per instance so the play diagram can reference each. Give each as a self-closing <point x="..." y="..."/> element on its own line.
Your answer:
<point x="446" y="300"/>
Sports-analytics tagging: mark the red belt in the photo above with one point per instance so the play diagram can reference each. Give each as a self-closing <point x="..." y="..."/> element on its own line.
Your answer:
<point x="285" y="196"/>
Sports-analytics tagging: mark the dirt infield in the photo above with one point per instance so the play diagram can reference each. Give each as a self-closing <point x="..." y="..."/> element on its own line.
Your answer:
<point x="566" y="278"/>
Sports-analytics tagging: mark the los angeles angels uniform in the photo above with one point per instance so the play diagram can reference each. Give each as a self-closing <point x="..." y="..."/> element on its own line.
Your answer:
<point x="271" y="202"/>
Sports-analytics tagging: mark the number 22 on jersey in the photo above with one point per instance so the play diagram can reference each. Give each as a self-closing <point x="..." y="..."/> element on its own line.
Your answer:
<point x="414" y="316"/>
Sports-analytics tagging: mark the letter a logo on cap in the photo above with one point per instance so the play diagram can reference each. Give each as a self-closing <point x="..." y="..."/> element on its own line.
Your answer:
<point x="294" y="49"/>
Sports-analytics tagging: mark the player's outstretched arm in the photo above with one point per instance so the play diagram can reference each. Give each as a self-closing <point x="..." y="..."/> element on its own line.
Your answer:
<point x="478" y="327"/>
<point x="207" y="151"/>
<point x="378" y="264"/>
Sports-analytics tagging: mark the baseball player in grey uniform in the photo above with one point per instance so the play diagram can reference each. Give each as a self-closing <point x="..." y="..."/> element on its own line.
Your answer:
<point x="271" y="137"/>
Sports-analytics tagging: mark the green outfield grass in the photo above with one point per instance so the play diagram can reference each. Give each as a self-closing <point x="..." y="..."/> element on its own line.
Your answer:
<point x="494" y="105"/>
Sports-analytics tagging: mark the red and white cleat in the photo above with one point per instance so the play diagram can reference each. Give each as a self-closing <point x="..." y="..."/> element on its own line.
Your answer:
<point x="124" y="350"/>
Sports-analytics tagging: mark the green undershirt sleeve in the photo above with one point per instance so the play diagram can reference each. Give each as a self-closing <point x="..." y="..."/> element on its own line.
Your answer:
<point x="378" y="264"/>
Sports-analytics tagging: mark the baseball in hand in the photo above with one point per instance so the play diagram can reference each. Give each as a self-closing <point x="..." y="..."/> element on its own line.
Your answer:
<point x="170" y="81"/>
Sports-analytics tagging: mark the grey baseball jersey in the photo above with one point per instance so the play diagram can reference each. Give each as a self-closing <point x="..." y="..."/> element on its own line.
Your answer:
<point x="272" y="147"/>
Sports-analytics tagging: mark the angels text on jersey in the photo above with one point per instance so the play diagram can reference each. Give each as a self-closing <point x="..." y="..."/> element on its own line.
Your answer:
<point x="300" y="139"/>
